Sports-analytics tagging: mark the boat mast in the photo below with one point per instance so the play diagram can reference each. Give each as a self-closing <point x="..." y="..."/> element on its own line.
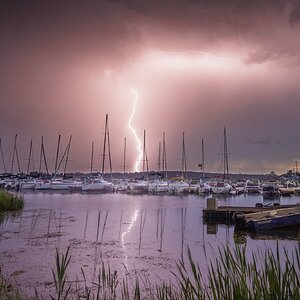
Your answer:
<point x="183" y="158"/>
<point x="92" y="157"/>
<point x="109" y="152"/>
<point x="106" y="140"/>
<point x="202" y="146"/>
<point x="67" y="156"/>
<point x="43" y="155"/>
<point x="144" y="151"/>
<point x="15" y="153"/>
<point x="225" y="175"/>
<point x="164" y="158"/>
<point x="29" y="158"/>
<point x="57" y="153"/>
<point x="124" y="157"/>
<point x="159" y="159"/>
<point x="2" y="156"/>
<point x="104" y="145"/>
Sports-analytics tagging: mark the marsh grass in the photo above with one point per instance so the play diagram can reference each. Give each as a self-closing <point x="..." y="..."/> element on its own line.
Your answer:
<point x="231" y="275"/>
<point x="9" y="202"/>
<point x="7" y="292"/>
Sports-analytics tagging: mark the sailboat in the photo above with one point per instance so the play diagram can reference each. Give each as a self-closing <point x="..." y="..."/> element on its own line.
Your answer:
<point x="222" y="186"/>
<point x="141" y="186"/>
<point x="98" y="184"/>
<point x="180" y="185"/>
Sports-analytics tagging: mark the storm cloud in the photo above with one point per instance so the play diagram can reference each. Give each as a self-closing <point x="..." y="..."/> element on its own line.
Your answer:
<point x="197" y="66"/>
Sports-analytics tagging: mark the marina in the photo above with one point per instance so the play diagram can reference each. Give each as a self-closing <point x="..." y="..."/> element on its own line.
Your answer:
<point x="145" y="233"/>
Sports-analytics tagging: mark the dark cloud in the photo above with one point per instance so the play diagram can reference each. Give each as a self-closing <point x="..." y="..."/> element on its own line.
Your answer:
<point x="53" y="55"/>
<point x="294" y="16"/>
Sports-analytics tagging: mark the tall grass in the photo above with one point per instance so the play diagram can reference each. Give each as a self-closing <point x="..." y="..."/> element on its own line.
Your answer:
<point x="230" y="276"/>
<point x="9" y="202"/>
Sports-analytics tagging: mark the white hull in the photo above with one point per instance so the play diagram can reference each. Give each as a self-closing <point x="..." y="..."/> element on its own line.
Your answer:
<point x="28" y="185"/>
<point x="221" y="189"/>
<point x="97" y="187"/>
<point x="43" y="186"/>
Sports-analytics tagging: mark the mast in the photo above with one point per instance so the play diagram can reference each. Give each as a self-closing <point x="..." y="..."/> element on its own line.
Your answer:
<point x="57" y="153"/>
<point x="41" y="153"/>
<point x="124" y="157"/>
<point x="104" y="145"/>
<point x="67" y="156"/>
<point x="144" y="151"/>
<point x="66" y="152"/>
<point x="225" y="175"/>
<point x="164" y="158"/>
<point x="92" y="157"/>
<point x="109" y="153"/>
<point x="45" y="160"/>
<point x="183" y="158"/>
<point x="106" y="140"/>
<point x="15" y="153"/>
<point x="202" y="147"/>
<point x="147" y="165"/>
<point x="29" y="158"/>
<point x="2" y="156"/>
<point x="159" y="159"/>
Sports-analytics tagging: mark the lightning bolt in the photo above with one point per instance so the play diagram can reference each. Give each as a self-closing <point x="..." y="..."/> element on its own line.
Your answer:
<point x="139" y="143"/>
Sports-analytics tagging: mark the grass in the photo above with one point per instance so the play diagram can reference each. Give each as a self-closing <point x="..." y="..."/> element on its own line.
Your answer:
<point x="7" y="292"/>
<point x="9" y="202"/>
<point x="230" y="276"/>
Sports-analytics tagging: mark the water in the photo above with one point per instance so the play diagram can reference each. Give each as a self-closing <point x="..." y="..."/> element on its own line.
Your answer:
<point x="146" y="234"/>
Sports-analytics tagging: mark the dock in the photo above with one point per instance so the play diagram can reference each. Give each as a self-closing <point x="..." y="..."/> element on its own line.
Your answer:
<point x="227" y="213"/>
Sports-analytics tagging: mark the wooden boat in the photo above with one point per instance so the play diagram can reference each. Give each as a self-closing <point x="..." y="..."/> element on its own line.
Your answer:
<point x="265" y="220"/>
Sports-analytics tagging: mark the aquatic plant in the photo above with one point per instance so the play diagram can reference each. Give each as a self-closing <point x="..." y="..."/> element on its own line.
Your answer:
<point x="7" y="292"/>
<point x="230" y="276"/>
<point x="60" y="276"/>
<point x="10" y="202"/>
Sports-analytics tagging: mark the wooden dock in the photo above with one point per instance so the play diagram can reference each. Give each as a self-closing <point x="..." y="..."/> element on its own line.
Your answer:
<point x="226" y="213"/>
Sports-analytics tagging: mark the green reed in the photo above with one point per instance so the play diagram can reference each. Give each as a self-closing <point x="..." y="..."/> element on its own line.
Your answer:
<point x="231" y="275"/>
<point x="10" y="202"/>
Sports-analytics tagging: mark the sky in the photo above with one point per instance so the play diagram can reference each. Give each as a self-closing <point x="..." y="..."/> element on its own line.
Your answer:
<point x="196" y="67"/>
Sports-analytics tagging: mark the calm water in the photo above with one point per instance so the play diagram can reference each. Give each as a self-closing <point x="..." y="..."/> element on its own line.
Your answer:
<point x="145" y="234"/>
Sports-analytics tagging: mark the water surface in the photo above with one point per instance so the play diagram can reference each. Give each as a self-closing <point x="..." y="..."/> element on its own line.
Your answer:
<point x="146" y="234"/>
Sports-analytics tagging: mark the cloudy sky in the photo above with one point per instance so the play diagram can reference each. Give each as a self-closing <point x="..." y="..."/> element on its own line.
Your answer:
<point x="196" y="66"/>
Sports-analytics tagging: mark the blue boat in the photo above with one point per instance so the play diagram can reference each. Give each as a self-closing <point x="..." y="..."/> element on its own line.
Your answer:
<point x="275" y="218"/>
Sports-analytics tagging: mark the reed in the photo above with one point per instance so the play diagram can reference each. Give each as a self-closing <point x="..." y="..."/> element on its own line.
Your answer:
<point x="60" y="277"/>
<point x="230" y="276"/>
<point x="9" y="202"/>
<point x="7" y="292"/>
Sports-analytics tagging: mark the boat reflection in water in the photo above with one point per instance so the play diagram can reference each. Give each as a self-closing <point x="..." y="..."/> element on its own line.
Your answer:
<point x="292" y="234"/>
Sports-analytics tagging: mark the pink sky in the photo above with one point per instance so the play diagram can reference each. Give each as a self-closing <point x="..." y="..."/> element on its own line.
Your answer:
<point x="197" y="66"/>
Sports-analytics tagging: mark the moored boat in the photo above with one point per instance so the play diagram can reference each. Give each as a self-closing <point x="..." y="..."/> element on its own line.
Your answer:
<point x="252" y="187"/>
<point x="97" y="185"/>
<point x="265" y="220"/>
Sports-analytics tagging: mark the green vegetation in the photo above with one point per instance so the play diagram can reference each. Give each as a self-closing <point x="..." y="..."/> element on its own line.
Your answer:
<point x="7" y="292"/>
<point x="230" y="276"/>
<point x="9" y="202"/>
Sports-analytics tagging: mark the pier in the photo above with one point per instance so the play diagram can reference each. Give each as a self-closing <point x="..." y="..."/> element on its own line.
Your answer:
<point x="227" y="213"/>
